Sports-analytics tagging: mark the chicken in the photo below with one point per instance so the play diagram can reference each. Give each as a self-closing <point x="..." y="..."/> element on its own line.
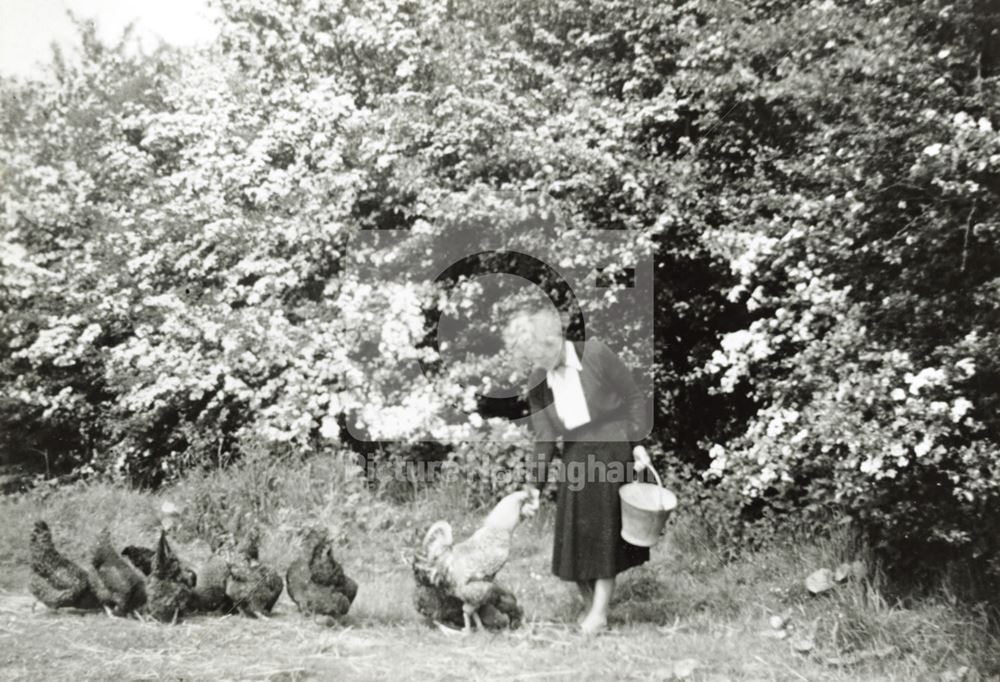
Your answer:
<point x="115" y="582"/>
<point x="253" y="587"/>
<point x="168" y="591"/>
<point x="499" y="612"/>
<point x="466" y="571"/>
<point x="142" y="558"/>
<point x="210" y="590"/>
<point x="316" y="581"/>
<point x="56" y="581"/>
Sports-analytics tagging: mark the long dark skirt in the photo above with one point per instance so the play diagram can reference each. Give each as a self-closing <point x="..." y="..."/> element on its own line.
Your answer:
<point x="588" y="543"/>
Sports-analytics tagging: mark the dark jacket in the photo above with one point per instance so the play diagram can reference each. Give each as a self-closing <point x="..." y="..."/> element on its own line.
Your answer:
<point x="618" y="409"/>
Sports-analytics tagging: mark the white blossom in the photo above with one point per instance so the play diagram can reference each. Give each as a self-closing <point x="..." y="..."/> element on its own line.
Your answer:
<point x="959" y="408"/>
<point x="967" y="365"/>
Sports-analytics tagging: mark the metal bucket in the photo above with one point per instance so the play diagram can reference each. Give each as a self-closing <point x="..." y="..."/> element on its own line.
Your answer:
<point x="645" y="510"/>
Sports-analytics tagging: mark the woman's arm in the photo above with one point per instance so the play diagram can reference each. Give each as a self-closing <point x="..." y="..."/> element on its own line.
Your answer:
<point x="545" y="437"/>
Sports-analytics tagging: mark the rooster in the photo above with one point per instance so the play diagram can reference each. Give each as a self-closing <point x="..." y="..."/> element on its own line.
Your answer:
<point x="168" y="591"/>
<point x="56" y="581"/>
<point x="466" y="570"/>
<point x="115" y="582"/>
<point x="316" y="581"/>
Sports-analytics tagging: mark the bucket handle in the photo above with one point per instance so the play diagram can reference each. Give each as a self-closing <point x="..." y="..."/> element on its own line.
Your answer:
<point x="659" y="483"/>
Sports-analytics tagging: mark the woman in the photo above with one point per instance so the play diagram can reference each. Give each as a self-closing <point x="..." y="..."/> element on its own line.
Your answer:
<point x="585" y="395"/>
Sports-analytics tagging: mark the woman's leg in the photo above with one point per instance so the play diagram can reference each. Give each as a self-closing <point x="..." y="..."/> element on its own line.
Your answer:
<point x="597" y="619"/>
<point x="587" y="595"/>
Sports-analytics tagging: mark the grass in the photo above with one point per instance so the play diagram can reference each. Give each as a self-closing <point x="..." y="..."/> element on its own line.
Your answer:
<point x="686" y="607"/>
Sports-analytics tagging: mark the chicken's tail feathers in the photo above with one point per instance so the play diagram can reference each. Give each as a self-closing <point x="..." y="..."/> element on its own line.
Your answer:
<point x="40" y="546"/>
<point x="103" y="548"/>
<point x="163" y="557"/>
<point x="41" y="536"/>
<point x="427" y="560"/>
<point x="250" y="545"/>
<point x="438" y="536"/>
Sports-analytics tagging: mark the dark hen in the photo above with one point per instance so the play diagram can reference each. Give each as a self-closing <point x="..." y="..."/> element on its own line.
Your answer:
<point x="500" y="610"/>
<point x="316" y="581"/>
<point x="115" y="582"/>
<point x="142" y="558"/>
<point x="253" y="587"/>
<point x="56" y="581"/>
<point x="169" y="594"/>
<point x="467" y="570"/>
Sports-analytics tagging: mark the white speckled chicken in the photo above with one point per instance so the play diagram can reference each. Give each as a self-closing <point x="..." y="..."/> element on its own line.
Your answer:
<point x="466" y="570"/>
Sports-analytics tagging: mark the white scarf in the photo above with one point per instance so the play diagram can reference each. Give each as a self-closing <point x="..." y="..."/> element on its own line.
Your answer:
<point x="567" y="391"/>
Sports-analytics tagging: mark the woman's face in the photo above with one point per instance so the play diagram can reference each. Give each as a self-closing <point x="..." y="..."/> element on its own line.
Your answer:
<point x="545" y="351"/>
<point x="538" y="340"/>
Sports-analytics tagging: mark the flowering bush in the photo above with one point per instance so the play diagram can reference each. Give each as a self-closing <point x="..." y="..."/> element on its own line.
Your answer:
<point x="866" y="434"/>
<point x="858" y="231"/>
<point x="177" y="285"/>
<point x="818" y="182"/>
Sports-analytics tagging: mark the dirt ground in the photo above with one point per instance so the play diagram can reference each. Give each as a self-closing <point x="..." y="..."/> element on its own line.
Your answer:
<point x="37" y="644"/>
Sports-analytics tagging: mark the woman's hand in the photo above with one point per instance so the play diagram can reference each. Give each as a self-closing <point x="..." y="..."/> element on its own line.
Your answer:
<point x="533" y="503"/>
<point x="641" y="457"/>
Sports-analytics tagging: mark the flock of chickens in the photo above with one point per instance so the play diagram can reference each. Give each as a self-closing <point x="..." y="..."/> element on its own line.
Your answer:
<point x="156" y="583"/>
<point x="455" y="583"/>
